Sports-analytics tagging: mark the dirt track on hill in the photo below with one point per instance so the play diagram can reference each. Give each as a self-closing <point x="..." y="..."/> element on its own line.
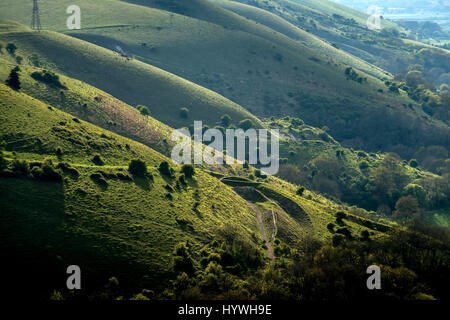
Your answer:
<point x="263" y="232"/>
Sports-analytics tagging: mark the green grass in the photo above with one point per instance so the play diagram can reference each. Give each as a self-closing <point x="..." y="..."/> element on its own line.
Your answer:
<point x="299" y="216"/>
<point x="282" y="26"/>
<point x="440" y="218"/>
<point x="130" y="81"/>
<point x="346" y="29"/>
<point x="95" y="106"/>
<point x="127" y="228"/>
<point x="261" y="69"/>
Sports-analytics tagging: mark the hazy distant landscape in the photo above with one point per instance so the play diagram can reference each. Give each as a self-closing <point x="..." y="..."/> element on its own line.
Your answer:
<point x="434" y="11"/>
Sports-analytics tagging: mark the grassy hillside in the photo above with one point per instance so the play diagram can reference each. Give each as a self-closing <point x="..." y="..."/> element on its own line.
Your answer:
<point x="95" y="106"/>
<point x="306" y="147"/>
<point x="261" y="69"/>
<point x="269" y="77"/>
<point x="129" y="80"/>
<point x="288" y="29"/>
<point x="390" y="48"/>
<point x="111" y="222"/>
<point x="114" y="223"/>
<point x="85" y="178"/>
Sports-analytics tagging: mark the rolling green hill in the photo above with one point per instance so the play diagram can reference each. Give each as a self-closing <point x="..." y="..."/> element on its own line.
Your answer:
<point x="284" y="27"/>
<point x="85" y="177"/>
<point x="95" y="106"/>
<point x="393" y="48"/>
<point x="129" y="80"/>
<point x="99" y="214"/>
<point x="115" y="223"/>
<point x="264" y="71"/>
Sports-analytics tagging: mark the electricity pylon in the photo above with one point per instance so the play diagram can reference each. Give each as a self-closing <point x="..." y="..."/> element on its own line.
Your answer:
<point x="36" y="20"/>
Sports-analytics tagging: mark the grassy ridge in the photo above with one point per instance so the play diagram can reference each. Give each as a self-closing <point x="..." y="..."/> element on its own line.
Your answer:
<point x="128" y="227"/>
<point x="280" y="25"/>
<point x="131" y="81"/>
<point x="259" y="68"/>
<point x="95" y="106"/>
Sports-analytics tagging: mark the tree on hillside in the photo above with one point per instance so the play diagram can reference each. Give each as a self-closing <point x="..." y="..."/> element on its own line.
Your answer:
<point x="246" y="124"/>
<point x="184" y="113"/>
<point x="225" y="120"/>
<point x="11" y="48"/>
<point x="165" y="169"/>
<point x="13" y="80"/>
<point x="144" y="110"/>
<point x="300" y="191"/>
<point x="414" y="78"/>
<point x="137" y="167"/>
<point x="188" y="170"/>
<point x="406" y="208"/>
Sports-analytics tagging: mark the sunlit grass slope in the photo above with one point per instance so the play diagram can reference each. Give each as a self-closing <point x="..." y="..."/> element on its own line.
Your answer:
<point x="124" y="227"/>
<point x="95" y="106"/>
<point x="284" y="27"/>
<point x="264" y="71"/>
<point x="131" y="81"/>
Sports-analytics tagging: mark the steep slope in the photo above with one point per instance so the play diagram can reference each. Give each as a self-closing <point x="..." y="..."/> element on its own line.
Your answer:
<point x="129" y="80"/>
<point x="270" y="77"/>
<point x="113" y="223"/>
<point x="99" y="216"/>
<point x="95" y="106"/>
<point x="284" y="27"/>
<point x="391" y="48"/>
<point x="268" y="73"/>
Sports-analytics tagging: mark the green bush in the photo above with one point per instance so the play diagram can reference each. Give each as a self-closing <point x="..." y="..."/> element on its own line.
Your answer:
<point x="3" y="161"/>
<point x="48" y="77"/>
<point x="338" y="239"/>
<point x="137" y="167"/>
<point x="300" y="191"/>
<point x="413" y="163"/>
<point x="184" y="113"/>
<point x="20" y="166"/>
<point x="225" y="120"/>
<point x="66" y="168"/>
<point x="11" y="48"/>
<point x="331" y="226"/>
<point x="259" y="174"/>
<point x="45" y="171"/>
<point x="341" y="215"/>
<point x="59" y="151"/>
<point x="144" y="110"/>
<point x="246" y="124"/>
<point x="165" y="169"/>
<point x="97" y="159"/>
<point x="98" y="178"/>
<point x="188" y="170"/>
<point x="123" y="177"/>
<point x="182" y="180"/>
<point x="362" y="154"/>
<point x="13" y="80"/>
<point x="50" y="174"/>
<point x="363" y="165"/>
